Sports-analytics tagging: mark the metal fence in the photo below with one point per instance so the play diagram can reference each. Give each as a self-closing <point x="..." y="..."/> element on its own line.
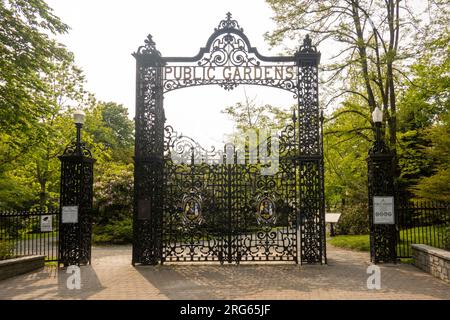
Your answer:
<point x="422" y="222"/>
<point x="36" y="232"/>
<point x="33" y="232"/>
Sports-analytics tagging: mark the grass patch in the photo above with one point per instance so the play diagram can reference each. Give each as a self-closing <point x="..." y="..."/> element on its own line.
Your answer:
<point x="429" y="235"/>
<point x="353" y="242"/>
<point x="406" y="260"/>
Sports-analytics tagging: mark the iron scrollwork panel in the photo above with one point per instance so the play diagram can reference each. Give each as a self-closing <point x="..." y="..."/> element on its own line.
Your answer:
<point x="225" y="212"/>
<point x="192" y="217"/>
<point x="263" y="216"/>
<point x="310" y="160"/>
<point x="149" y="144"/>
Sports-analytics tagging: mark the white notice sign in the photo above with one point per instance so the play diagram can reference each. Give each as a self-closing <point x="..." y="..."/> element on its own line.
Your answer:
<point x="70" y="214"/>
<point x="46" y="224"/>
<point x="383" y="210"/>
<point x="332" y="217"/>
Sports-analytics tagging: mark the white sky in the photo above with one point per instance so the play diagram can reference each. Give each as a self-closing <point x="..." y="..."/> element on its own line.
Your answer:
<point x="104" y="33"/>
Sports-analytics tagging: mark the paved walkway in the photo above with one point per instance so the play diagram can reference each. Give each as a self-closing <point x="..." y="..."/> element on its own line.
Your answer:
<point x="112" y="277"/>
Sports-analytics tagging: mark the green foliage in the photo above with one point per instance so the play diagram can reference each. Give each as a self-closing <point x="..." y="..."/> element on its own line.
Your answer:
<point x="354" y="242"/>
<point x="113" y="198"/>
<point x="6" y="250"/>
<point x="32" y="160"/>
<point x="424" y="123"/>
<point x="437" y="185"/>
<point x="111" y="130"/>
<point x="27" y="54"/>
<point x="366" y="72"/>
<point x="110" y="135"/>
<point x="38" y="81"/>
<point x="413" y="161"/>
<point x="354" y="220"/>
<point x="116" y="232"/>
<point x="247" y="115"/>
<point x="446" y="237"/>
<point x="371" y="41"/>
<point x="347" y="135"/>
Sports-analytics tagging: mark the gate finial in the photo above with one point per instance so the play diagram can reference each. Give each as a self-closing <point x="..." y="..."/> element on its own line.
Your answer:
<point x="228" y="23"/>
<point x="149" y="47"/>
<point x="307" y="46"/>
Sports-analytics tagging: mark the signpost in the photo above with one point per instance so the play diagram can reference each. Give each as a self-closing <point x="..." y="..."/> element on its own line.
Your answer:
<point x="332" y="219"/>
<point x="46" y="224"/>
<point x="383" y="210"/>
<point x="70" y="214"/>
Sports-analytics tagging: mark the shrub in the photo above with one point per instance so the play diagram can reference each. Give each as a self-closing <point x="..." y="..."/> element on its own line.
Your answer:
<point x="446" y="237"/>
<point x="354" y="220"/>
<point x="6" y="250"/>
<point x="113" y="199"/>
<point x="115" y="232"/>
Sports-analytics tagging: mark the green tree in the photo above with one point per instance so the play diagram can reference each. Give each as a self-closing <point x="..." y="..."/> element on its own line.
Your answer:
<point x="66" y="83"/>
<point x="110" y="128"/>
<point x="373" y="44"/>
<point x="26" y="55"/>
<point x="347" y="139"/>
<point x="437" y="186"/>
<point x="248" y="115"/>
<point x="423" y="107"/>
<point x="110" y="135"/>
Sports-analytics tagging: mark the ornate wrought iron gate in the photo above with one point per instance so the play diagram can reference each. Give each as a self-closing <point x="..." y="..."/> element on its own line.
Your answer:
<point x="220" y="207"/>
<point x="227" y="212"/>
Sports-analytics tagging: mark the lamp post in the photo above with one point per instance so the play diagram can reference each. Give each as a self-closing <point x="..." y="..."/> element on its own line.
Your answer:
<point x="381" y="190"/>
<point x="78" y="119"/>
<point x="75" y="225"/>
<point x="377" y="117"/>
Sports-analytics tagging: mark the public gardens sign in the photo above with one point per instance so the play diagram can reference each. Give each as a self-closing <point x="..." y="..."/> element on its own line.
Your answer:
<point x="230" y="73"/>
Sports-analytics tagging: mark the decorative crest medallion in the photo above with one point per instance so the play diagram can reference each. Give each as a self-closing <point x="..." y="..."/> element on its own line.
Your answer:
<point x="192" y="208"/>
<point x="266" y="210"/>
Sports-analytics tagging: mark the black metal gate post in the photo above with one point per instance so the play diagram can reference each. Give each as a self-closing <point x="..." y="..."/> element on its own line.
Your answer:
<point x="310" y="161"/>
<point x="383" y="237"/>
<point x="75" y="223"/>
<point x="148" y="156"/>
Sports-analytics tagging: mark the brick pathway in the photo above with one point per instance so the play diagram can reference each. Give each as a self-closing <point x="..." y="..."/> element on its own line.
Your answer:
<point x="112" y="277"/>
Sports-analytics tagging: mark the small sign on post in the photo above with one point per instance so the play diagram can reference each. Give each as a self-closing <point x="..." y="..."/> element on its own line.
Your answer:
<point x="383" y="210"/>
<point x="70" y="214"/>
<point x="46" y="223"/>
<point x="332" y="218"/>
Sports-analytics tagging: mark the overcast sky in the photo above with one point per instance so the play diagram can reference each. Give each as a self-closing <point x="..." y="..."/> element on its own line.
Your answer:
<point x="104" y="33"/>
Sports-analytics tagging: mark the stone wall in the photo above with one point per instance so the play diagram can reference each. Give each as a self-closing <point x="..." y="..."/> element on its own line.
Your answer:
<point x="432" y="260"/>
<point x="13" y="267"/>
